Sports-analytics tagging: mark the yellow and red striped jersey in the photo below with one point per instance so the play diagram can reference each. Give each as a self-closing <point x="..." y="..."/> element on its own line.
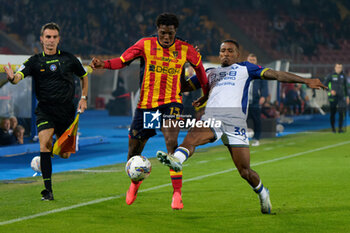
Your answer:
<point x="162" y="69"/>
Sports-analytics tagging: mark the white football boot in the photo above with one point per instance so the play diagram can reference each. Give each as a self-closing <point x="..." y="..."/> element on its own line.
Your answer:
<point x="265" y="203"/>
<point x="169" y="160"/>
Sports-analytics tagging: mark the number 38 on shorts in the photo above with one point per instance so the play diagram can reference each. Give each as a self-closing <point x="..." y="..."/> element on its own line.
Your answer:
<point x="241" y="132"/>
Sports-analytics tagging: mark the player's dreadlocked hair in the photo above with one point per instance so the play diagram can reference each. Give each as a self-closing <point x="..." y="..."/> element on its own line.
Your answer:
<point x="167" y="19"/>
<point x="52" y="26"/>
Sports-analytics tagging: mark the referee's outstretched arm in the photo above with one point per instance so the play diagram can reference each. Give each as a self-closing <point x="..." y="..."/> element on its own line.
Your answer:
<point x="11" y="76"/>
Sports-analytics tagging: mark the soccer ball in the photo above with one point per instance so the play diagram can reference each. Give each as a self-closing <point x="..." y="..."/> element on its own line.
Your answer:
<point x="138" y="168"/>
<point x="35" y="164"/>
<point x="250" y="133"/>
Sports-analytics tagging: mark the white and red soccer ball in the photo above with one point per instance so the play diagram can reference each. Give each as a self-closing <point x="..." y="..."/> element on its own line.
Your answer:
<point x="35" y="164"/>
<point x="138" y="168"/>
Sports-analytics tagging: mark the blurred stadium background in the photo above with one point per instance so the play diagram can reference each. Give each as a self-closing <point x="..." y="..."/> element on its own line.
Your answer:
<point x="306" y="37"/>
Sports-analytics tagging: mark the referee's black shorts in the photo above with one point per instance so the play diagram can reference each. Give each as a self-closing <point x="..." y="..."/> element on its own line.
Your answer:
<point x="58" y="116"/>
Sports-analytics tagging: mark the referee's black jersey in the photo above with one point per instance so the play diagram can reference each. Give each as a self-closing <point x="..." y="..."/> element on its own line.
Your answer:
<point x="338" y="83"/>
<point x="53" y="76"/>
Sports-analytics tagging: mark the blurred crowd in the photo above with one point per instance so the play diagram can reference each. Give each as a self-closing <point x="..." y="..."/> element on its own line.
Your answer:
<point x="295" y="27"/>
<point x="106" y="27"/>
<point x="109" y="27"/>
<point x="305" y="24"/>
<point x="11" y="132"/>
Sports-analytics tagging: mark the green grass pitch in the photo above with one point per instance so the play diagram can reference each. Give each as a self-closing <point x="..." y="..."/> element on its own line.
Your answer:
<point x="308" y="176"/>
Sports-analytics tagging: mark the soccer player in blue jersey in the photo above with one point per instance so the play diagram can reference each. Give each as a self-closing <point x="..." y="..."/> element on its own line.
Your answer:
<point x="228" y="103"/>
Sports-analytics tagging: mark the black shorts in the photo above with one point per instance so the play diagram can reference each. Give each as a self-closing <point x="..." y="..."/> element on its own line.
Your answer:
<point x="137" y="129"/>
<point x="58" y="117"/>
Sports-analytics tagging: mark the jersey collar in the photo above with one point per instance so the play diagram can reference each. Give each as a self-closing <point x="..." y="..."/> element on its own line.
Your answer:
<point x="162" y="45"/>
<point x="58" y="52"/>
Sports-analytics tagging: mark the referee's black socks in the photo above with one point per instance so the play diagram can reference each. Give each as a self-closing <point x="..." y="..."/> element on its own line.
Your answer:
<point x="46" y="169"/>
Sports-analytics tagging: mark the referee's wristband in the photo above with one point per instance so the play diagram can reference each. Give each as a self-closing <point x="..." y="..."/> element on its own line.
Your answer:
<point x="11" y="79"/>
<point x="84" y="97"/>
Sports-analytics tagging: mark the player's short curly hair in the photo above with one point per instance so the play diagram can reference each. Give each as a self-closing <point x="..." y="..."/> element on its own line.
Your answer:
<point x="231" y="41"/>
<point x="52" y="26"/>
<point x="167" y="19"/>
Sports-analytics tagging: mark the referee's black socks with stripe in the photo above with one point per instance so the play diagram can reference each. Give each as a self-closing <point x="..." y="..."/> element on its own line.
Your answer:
<point x="46" y="169"/>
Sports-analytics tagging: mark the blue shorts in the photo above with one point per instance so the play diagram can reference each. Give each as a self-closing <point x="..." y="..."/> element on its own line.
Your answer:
<point x="137" y="130"/>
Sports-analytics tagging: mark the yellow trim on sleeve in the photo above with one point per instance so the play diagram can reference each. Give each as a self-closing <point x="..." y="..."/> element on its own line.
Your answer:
<point x="200" y="59"/>
<point x="123" y="60"/>
<point x="86" y="73"/>
<point x="262" y="72"/>
<point x="19" y="72"/>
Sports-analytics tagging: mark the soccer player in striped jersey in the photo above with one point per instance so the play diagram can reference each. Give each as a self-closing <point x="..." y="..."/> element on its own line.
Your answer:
<point x="162" y="59"/>
<point x="228" y="103"/>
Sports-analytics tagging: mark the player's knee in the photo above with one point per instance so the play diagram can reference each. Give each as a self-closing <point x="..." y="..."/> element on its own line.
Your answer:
<point x="248" y="174"/>
<point x="46" y="147"/>
<point x="245" y="173"/>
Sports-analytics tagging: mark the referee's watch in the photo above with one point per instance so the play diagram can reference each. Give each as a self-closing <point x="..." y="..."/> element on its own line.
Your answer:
<point x="84" y="97"/>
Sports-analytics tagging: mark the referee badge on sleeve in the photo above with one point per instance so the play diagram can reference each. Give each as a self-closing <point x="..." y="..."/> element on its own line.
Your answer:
<point x="21" y="68"/>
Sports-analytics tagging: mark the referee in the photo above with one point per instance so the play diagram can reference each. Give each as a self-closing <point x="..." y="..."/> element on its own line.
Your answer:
<point x="53" y="73"/>
<point x="338" y="96"/>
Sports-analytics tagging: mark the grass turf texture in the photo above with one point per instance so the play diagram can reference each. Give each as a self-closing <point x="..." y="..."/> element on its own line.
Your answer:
<point x="309" y="193"/>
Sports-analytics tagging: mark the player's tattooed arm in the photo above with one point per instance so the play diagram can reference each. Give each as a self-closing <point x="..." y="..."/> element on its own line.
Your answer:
<point x="287" y="77"/>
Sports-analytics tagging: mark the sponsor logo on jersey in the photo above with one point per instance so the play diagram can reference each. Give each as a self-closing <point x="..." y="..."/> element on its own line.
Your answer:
<point x="52" y="61"/>
<point x="164" y="70"/>
<point x="166" y="59"/>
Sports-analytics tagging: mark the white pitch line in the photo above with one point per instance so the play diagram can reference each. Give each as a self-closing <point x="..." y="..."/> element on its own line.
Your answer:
<point x="220" y="158"/>
<point x="96" y="171"/>
<point x="165" y="185"/>
<point x="203" y="161"/>
<point x="60" y="209"/>
<point x="269" y="148"/>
